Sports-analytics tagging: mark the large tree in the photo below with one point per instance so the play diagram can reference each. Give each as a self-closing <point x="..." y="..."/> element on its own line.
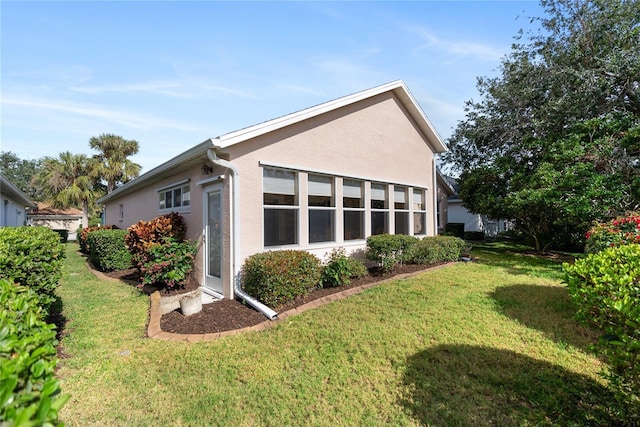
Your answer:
<point x="112" y="162"/>
<point x="553" y="140"/>
<point x="68" y="181"/>
<point x="21" y="173"/>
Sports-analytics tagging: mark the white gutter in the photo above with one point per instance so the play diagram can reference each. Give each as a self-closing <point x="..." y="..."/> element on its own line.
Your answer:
<point x="435" y="197"/>
<point x="211" y="154"/>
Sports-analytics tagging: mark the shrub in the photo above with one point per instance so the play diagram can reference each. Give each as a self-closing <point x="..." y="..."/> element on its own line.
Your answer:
<point x="619" y="231"/>
<point x="168" y="264"/>
<point x="604" y="287"/>
<point x="107" y="250"/>
<point x="430" y="250"/>
<point x="339" y="269"/>
<point x="29" y="393"/>
<point x="84" y="232"/>
<point x="146" y="234"/>
<point x="389" y="249"/>
<point x="32" y="257"/>
<point x="277" y="277"/>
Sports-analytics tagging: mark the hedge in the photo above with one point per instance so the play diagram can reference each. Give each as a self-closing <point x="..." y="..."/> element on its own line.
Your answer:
<point x="389" y="249"/>
<point x="107" y="250"/>
<point x="430" y="250"/>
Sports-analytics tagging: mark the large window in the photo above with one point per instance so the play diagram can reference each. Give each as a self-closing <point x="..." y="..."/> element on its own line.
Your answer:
<point x="177" y="196"/>
<point x="419" y="213"/>
<point x="280" y="199"/>
<point x="353" y="208"/>
<point x="401" y="210"/>
<point x="379" y="209"/>
<point x="321" y="209"/>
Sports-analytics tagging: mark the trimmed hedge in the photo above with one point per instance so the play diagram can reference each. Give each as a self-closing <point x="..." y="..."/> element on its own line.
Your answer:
<point x="29" y="393"/>
<point x="32" y="257"/>
<point x="84" y="232"/>
<point x="430" y="250"/>
<point x="107" y="250"/>
<point x="389" y="249"/>
<point x="277" y="277"/>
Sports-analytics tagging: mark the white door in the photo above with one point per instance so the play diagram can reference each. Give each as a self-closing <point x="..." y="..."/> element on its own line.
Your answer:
<point x="213" y="237"/>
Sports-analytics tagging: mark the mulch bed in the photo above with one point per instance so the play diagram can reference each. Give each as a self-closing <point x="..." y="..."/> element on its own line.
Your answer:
<point x="227" y="315"/>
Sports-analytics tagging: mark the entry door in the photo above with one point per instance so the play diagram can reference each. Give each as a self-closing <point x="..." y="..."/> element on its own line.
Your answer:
<point x="213" y="234"/>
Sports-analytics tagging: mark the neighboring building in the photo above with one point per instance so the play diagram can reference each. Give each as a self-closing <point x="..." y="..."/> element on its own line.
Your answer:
<point x="14" y="204"/>
<point x="325" y="177"/>
<point x="56" y="219"/>
<point x="445" y="191"/>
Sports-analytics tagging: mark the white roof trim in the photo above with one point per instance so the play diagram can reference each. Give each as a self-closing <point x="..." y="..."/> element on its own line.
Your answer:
<point x="8" y="189"/>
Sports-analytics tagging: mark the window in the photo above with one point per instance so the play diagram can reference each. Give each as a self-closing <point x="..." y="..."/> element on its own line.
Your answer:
<point x="379" y="209"/>
<point x="353" y="209"/>
<point x="401" y="213"/>
<point x="178" y="196"/>
<point x="121" y="212"/>
<point x="280" y="199"/>
<point x="321" y="209"/>
<point x="419" y="213"/>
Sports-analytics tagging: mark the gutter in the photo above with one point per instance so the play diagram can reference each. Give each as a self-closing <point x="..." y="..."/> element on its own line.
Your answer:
<point x="272" y="315"/>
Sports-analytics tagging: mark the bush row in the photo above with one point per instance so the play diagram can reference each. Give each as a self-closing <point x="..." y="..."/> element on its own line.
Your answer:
<point x="32" y="257"/>
<point x="29" y="393"/>
<point x="107" y="250"/>
<point x="84" y="233"/>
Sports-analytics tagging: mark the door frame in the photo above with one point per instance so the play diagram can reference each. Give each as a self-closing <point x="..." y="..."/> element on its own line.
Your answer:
<point x="212" y="284"/>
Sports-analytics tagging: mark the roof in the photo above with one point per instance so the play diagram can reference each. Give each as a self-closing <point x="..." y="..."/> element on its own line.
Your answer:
<point x="398" y="87"/>
<point x="7" y="188"/>
<point x="43" y="209"/>
<point x="446" y="183"/>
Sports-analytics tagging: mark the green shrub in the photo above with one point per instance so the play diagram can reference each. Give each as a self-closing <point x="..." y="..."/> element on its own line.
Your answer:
<point x="168" y="264"/>
<point x="339" y="269"/>
<point x="146" y="234"/>
<point x="29" y="393"/>
<point x="32" y="257"/>
<point x="277" y="277"/>
<point x="389" y="249"/>
<point x="107" y="250"/>
<point x="430" y="250"/>
<point x="84" y="232"/>
<point x="619" y="231"/>
<point x="605" y="288"/>
<point x="455" y="229"/>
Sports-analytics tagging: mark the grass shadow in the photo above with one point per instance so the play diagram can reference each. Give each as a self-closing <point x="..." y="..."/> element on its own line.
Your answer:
<point x="547" y="309"/>
<point x="479" y="386"/>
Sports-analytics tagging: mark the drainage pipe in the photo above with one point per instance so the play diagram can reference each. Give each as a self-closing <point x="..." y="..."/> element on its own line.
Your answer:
<point x="211" y="154"/>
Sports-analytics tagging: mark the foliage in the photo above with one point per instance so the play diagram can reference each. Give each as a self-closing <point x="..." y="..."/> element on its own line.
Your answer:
<point x="112" y="164"/>
<point x="455" y="229"/>
<point x="107" y="250"/>
<point x="605" y="288"/>
<point x="553" y="141"/>
<point x="142" y="236"/>
<point x="84" y="232"/>
<point x="32" y="257"/>
<point x="21" y="173"/>
<point x="434" y="249"/>
<point x="619" y="231"/>
<point x="29" y="392"/>
<point x="339" y="269"/>
<point x="168" y="263"/>
<point x="389" y="249"/>
<point x="277" y="277"/>
<point x="474" y="235"/>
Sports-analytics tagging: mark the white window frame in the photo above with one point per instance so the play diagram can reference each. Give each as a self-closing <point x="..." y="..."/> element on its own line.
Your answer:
<point x="320" y="190"/>
<point x="361" y="210"/>
<point x="419" y="209"/>
<point x="385" y="210"/>
<point x="185" y="197"/>
<point x="272" y="207"/>
<point x="401" y="192"/>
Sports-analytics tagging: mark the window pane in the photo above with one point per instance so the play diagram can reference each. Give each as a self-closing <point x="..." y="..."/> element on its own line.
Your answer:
<point x="353" y="225"/>
<point x="186" y="196"/>
<point x="279" y="187"/>
<point x="320" y="190"/>
<point x="419" y="223"/>
<point x="321" y="226"/>
<point x="280" y="227"/>
<point x="352" y="194"/>
<point x="379" y="222"/>
<point x="177" y="197"/>
<point x="402" y="222"/>
<point x="162" y="202"/>
<point x="400" y="198"/>
<point x="418" y="200"/>
<point x="168" y="200"/>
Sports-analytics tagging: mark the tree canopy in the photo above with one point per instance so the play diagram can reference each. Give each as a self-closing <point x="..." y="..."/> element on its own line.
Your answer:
<point x="112" y="162"/>
<point x="21" y="173"/>
<point x="554" y="141"/>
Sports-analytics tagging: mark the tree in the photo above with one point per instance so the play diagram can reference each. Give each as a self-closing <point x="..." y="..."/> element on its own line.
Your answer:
<point x="553" y="141"/>
<point x="68" y="182"/>
<point x="112" y="163"/>
<point x="21" y="173"/>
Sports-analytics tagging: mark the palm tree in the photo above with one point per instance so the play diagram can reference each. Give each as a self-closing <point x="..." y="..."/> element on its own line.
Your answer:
<point x="68" y="182"/>
<point x="112" y="164"/>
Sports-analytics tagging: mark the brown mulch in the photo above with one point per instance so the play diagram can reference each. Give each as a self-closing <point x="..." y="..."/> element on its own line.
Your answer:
<point x="226" y="315"/>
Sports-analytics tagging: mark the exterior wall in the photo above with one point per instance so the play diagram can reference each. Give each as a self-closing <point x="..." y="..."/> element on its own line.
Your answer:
<point x="475" y="222"/>
<point x="12" y="213"/>
<point x="374" y="140"/>
<point x="71" y="223"/>
<point x="442" y="209"/>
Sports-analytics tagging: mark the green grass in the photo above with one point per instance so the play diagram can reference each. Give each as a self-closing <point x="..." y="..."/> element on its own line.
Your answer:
<point x="484" y="343"/>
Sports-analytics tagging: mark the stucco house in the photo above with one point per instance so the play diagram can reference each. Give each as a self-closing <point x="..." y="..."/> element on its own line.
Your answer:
<point x="56" y="219"/>
<point x="444" y="191"/>
<point x="321" y="178"/>
<point x="14" y="204"/>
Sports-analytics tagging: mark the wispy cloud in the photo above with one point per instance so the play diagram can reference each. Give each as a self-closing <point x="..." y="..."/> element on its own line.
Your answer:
<point x="175" y="88"/>
<point x="480" y="51"/>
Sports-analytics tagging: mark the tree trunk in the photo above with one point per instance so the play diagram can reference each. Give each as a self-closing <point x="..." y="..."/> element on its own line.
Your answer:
<point x="85" y="214"/>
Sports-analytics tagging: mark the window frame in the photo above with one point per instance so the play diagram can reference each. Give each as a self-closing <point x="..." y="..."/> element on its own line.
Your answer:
<point x="361" y="210"/>
<point x="182" y="189"/>
<point x="286" y="205"/>
<point x="419" y="211"/>
<point x="329" y="208"/>
<point x="377" y="211"/>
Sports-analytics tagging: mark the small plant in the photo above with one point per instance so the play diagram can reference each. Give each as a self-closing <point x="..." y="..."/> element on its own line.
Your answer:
<point x="168" y="264"/>
<point x="389" y="249"/>
<point x="619" y="231"/>
<point x="339" y="269"/>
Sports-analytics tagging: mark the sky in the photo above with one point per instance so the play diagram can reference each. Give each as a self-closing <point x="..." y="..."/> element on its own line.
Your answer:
<point x="172" y="74"/>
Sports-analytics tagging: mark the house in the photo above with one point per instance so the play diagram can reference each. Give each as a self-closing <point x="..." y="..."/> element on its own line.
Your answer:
<point x="321" y="178"/>
<point x="14" y="204"/>
<point x="56" y="219"/>
<point x="444" y="191"/>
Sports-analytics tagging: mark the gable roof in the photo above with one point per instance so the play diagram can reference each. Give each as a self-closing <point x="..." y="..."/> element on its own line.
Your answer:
<point x="398" y="87"/>
<point x="44" y="209"/>
<point x="7" y="188"/>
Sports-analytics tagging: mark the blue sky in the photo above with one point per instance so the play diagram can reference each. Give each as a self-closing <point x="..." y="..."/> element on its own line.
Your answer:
<point x="172" y="74"/>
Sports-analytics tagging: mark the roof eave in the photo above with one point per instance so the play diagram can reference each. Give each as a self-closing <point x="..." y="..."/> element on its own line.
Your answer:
<point x="14" y="192"/>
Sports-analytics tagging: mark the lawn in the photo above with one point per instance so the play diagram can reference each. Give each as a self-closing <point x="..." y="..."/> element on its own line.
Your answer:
<point x="490" y="342"/>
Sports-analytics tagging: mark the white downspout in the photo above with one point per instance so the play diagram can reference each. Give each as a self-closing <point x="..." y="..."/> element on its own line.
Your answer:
<point x="211" y="154"/>
<point x="435" y="197"/>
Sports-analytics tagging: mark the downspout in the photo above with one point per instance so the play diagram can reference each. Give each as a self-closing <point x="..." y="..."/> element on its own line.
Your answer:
<point x="211" y="154"/>
<point x="435" y="197"/>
